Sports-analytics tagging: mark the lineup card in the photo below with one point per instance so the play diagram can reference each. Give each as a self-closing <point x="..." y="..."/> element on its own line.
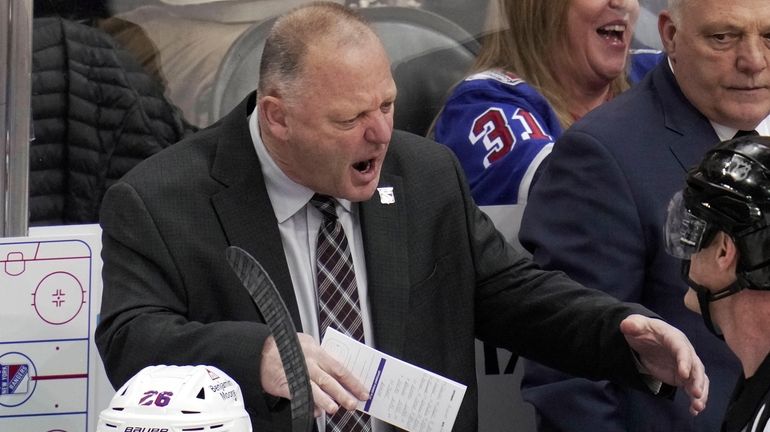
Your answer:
<point x="401" y="394"/>
<point x="48" y="362"/>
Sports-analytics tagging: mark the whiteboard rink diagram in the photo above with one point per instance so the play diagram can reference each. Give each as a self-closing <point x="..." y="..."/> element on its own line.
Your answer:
<point x="45" y="308"/>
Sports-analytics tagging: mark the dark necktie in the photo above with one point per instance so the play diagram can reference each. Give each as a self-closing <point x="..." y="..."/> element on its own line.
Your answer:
<point x="743" y="133"/>
<point x="338" y="304"/>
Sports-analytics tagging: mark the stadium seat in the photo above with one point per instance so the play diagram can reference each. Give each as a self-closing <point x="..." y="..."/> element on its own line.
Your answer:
<point x="428" y="52"/>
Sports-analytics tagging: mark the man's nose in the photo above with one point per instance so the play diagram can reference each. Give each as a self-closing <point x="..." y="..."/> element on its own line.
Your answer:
<point x="753" y="55"/>
<point x="380" y="128"/>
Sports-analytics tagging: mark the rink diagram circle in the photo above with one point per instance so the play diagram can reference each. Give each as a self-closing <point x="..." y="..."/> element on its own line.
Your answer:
<point x="58" y="298"/>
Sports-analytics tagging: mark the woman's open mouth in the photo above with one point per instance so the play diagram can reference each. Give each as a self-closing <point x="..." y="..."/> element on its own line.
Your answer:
<point x="612" y="32"/>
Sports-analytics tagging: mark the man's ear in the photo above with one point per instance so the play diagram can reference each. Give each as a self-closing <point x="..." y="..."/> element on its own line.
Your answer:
<point x="272" y="112"/>
<point x="727" y="252"/>
<point x="667" y="31"/>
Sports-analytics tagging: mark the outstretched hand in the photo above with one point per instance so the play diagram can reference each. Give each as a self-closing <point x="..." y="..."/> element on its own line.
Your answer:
<point x="668" y="355"/>
<point x="333" y="385"/>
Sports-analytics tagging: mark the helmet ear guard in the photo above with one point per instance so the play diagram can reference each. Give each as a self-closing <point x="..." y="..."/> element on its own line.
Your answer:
<point x="177" y="399"/>
<point x="754" y="262"/>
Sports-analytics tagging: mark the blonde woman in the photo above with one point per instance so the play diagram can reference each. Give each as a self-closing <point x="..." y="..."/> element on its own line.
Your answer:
<point x="549" y="63"/>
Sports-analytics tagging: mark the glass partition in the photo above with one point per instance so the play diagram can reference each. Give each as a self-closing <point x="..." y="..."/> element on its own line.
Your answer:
<point x="15" y="28"/>
<point x="165" y="68"/>
<point x="203" y="56"/>
<point x="186" y="43"/>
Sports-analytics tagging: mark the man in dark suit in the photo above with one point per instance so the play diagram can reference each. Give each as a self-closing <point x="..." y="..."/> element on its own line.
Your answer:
<point x="432" y="273"/>
<point x="598" y="209"/>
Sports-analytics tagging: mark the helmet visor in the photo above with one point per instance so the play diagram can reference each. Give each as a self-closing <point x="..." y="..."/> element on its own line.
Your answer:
<point x="684" y="231"/>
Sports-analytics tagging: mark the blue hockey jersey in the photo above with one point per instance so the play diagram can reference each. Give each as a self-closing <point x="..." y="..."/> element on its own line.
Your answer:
<point x="501" y="130"/>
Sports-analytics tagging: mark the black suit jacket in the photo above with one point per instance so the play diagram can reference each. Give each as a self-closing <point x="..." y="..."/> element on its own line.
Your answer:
<point x="439" y="273"/>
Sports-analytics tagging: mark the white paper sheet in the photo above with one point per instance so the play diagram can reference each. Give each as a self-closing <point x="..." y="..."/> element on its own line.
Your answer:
<point x="401" y="394"/>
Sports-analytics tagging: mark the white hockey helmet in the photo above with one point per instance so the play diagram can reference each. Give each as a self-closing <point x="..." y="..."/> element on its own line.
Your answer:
<point x="177" y="399"/>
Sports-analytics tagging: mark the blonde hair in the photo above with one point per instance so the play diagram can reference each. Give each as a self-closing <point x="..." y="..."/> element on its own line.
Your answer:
<point x="524" y="37"/>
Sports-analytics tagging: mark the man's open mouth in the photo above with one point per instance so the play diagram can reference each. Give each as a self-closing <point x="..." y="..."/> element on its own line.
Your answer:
<point x="363" y="166"/>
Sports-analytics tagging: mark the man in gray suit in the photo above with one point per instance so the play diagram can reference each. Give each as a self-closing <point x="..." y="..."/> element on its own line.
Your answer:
<point x="431" y="271"/>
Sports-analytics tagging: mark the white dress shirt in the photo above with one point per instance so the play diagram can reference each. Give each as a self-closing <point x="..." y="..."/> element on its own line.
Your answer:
<point x="298" y="224"/>
<point x="725" y="132"/>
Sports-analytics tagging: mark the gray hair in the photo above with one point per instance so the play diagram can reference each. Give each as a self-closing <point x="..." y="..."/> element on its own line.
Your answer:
<point x="675" y="7"/>
<point x="292" y="36"/>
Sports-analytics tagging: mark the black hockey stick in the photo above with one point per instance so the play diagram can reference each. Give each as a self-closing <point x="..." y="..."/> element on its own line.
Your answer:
<point x="262" y="289"/>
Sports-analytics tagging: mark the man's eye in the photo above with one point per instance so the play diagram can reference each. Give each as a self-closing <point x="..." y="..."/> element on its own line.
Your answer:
<point x="386" y="107"/>
<point x="722" y="37"/>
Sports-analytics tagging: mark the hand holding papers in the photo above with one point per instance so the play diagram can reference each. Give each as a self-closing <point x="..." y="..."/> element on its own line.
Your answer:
<point x="404" y="395"/>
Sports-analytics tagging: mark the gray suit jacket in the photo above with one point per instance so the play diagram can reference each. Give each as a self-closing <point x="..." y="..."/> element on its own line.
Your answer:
<point x="439" y="273"/>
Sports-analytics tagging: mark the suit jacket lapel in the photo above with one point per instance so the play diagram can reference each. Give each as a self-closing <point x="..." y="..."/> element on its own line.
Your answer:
<point x="384" y="231"/>
<point x="682" y="118"/>
<point x="248" y="220"/>
<point x="244" y="207"/>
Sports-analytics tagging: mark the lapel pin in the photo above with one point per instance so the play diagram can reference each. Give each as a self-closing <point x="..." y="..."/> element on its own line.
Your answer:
<point x="386" y="195"/>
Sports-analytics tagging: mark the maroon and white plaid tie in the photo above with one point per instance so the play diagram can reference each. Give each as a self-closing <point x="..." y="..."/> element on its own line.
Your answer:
<point x="338" y="304"/>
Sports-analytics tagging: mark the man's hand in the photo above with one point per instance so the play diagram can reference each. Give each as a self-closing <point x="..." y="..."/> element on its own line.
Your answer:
<point x="668" y="355"/>
<point x="332" y="384"/>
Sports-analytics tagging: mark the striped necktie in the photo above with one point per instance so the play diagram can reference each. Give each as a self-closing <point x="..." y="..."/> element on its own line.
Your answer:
<point x="338" y="304"/>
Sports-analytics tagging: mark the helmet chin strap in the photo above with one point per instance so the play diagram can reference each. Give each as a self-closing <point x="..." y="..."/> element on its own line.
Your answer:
<point x="706" y="297"/>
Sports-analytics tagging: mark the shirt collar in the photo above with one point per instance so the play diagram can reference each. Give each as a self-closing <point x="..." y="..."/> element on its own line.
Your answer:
<point x="725" y="132"/>
<point x="287" y="196"/>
